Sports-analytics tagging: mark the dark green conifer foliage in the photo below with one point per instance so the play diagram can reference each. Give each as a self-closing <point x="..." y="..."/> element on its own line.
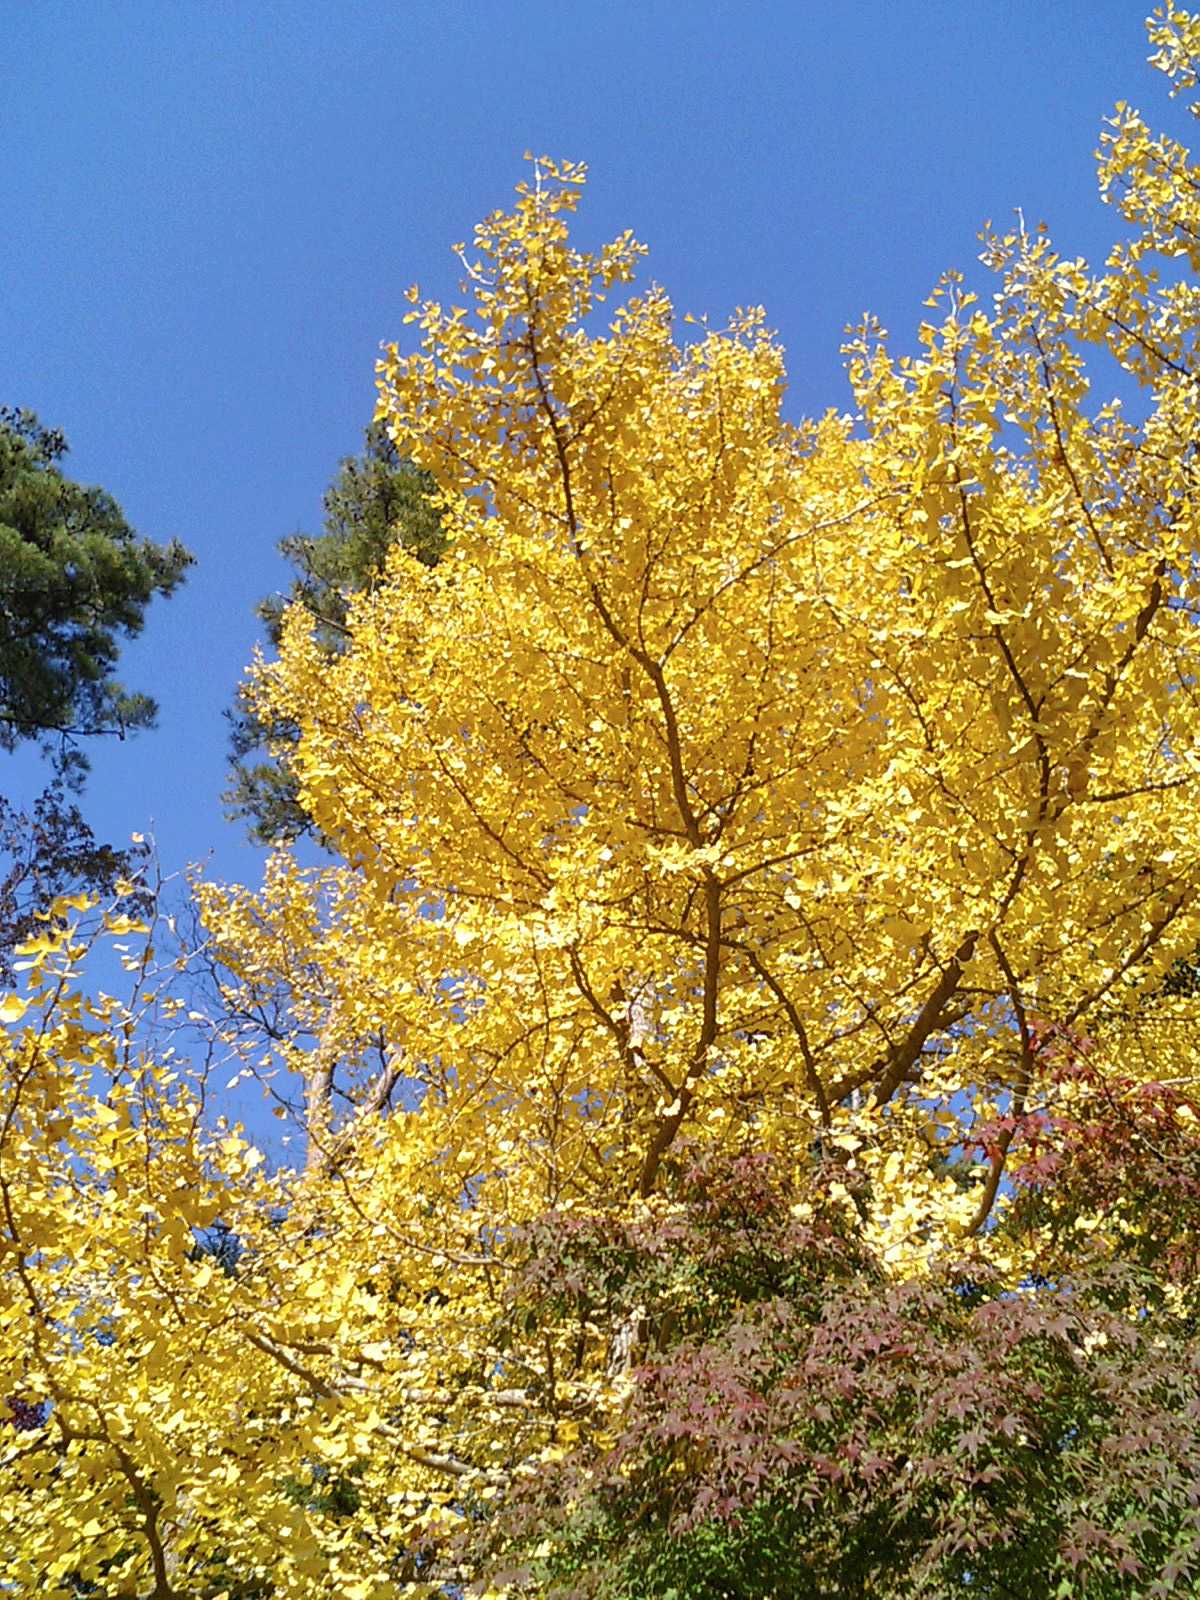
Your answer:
<point x="376" y="501"/>
<point x="75" y="580"/>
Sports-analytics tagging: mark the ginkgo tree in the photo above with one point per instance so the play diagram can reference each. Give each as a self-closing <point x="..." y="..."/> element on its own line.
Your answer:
<point x="817" y="794"/>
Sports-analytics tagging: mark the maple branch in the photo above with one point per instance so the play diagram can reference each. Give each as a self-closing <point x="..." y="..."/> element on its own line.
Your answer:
<point x="1112" y="678"/>
<point x="903" y="1055"/>
<point x="673" y="1118"/>
<point x="318" y="1385"/>
<point x="768" y="556"/>
<point x="621" y="1031"/>
<point x="1140" y="950"/>
<point x="318" y="1094"/>
<point x="560" y="442"/>
<point x="454" y="1257"/>
<point x="811" y="1074"/>
<point x="999" y="1156"/>
<point x="147" y="1504"/>
<point x="438" y="1460"/>
<point x="1060" y="441"/>
<point x="468" y="800"/>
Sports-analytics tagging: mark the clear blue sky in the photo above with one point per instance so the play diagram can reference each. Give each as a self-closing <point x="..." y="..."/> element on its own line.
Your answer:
<point x="210" y="210"/>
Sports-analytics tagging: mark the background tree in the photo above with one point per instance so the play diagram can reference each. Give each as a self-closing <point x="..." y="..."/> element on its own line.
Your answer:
<point x="377" y="501"/>
<point x="74" y="579"/>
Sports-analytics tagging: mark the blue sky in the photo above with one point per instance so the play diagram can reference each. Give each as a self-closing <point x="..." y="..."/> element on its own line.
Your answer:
<point x="210" y="212"/>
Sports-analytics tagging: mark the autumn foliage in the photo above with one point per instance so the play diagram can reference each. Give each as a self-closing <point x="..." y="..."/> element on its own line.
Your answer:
<point x="744" y="1144"/>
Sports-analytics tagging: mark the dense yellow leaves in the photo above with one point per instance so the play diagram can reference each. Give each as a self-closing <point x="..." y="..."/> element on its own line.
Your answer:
<point x="725" y="766"/>
<point x="176" y="1404"/>
<point x="732" y="779"/>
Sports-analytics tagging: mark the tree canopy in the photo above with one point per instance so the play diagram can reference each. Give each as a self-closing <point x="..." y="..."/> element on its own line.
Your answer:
<point x="745" y="1141"/>
<point x="74" y="578"/>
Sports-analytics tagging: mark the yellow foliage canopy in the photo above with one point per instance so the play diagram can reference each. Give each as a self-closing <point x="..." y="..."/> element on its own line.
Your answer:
<point x="731" y="779"/>
<point x="730" y="774"/>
